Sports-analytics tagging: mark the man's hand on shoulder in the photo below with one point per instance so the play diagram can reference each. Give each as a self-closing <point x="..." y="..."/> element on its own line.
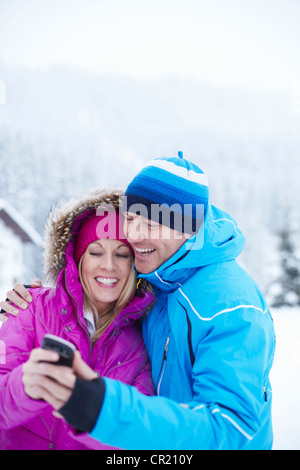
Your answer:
<point x="20" y="296"/>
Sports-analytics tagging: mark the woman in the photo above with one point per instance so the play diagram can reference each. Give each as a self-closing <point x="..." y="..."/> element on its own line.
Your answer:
<point x="94" y="304"/>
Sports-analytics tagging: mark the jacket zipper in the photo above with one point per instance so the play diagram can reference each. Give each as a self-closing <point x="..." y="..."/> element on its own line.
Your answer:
<point x="115" y="323"/>
<point x="79" y="322"/>
<point x="84" y="329"/>
<point x="163" y="365"/>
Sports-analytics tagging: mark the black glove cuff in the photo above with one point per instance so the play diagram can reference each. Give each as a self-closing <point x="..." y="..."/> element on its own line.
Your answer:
<point x="83" y="407"/>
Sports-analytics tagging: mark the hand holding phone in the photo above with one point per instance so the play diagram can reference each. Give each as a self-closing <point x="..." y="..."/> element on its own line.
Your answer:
<point x="64" y="348"/>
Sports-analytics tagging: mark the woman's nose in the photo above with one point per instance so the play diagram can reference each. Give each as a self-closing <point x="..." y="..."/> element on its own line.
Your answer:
<point x="108" y="262"/>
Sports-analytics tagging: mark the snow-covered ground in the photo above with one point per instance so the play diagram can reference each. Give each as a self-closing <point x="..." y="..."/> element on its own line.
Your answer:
<point x="285" y="379"/>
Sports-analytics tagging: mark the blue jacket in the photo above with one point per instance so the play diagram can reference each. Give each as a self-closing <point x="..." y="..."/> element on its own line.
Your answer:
<point x="211" y="343"/>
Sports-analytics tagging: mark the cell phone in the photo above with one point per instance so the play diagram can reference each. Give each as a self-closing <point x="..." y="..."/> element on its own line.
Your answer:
<point x="62" y="347"/>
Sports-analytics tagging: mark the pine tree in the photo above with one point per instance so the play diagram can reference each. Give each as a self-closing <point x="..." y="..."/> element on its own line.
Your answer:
<point x="285" y="290"/>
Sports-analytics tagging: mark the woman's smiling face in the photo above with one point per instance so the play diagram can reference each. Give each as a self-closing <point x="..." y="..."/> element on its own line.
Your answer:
<point x="106" y="265"/>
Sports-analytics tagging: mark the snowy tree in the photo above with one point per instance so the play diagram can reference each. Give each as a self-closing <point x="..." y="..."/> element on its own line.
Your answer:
<point x="285" y="290"/>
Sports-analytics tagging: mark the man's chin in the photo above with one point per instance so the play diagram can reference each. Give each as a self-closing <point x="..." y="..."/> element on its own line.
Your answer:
<point x="144" y="268"/>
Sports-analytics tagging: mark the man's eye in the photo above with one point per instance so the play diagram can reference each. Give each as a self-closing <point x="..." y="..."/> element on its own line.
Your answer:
<point x="153" y="225"/>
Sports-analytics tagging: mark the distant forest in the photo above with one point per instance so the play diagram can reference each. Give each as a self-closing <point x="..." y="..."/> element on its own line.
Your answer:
<point x="64" y="132"/>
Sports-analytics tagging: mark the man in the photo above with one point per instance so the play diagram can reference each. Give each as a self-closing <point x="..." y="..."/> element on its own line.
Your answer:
<point x="209" y="336"/>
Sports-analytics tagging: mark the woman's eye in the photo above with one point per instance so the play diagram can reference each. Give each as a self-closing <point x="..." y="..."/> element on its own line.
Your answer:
<point x="94" y="253"/>
<point x="119" y="255"/>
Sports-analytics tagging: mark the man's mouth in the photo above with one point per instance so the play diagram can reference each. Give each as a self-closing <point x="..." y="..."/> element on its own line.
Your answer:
<point x="144" y="251"/>
<point x="107" y="281"/>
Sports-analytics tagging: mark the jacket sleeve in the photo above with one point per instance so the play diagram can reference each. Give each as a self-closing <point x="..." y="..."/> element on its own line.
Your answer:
<point x="229" y="406"/>
<point x="16" y="342"/>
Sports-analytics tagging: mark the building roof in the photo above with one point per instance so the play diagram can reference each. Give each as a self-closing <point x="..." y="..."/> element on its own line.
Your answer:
<point x="15" y="221"/>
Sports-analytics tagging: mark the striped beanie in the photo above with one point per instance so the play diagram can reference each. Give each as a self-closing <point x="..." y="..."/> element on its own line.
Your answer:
<point x="171" y="191"/>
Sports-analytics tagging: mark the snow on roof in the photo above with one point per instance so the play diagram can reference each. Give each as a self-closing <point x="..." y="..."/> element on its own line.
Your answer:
<point x="13" y="219"/>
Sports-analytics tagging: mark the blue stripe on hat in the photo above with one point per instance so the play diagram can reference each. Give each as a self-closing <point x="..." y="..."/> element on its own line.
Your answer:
<point x="168" y="190"/>
<point x="184" y="219"/>
<point x="170" y="181"/>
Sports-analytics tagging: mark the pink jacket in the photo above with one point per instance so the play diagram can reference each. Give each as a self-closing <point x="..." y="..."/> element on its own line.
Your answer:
<point x="119" y="354"/>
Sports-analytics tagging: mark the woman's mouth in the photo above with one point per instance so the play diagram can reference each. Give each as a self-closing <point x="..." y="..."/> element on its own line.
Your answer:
<point x="107" y="281"/>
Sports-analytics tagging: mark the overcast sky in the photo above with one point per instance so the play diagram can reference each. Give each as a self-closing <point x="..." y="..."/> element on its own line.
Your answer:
<point x="238" y="42"/>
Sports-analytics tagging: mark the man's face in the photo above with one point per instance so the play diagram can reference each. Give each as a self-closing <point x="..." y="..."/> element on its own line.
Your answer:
<point x="153" y="243"/>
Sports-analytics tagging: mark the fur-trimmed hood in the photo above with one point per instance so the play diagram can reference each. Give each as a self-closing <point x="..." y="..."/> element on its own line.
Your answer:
<point x="63" y="223"/>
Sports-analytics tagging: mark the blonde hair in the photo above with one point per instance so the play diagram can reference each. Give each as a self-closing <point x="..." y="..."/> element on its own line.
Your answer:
<point x="103" y="321"/>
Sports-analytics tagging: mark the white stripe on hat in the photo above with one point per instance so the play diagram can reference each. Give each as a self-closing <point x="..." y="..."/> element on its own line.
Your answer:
<point x="180" y="171"/>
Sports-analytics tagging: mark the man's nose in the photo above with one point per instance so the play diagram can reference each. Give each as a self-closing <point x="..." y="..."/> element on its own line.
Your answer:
<point x="137" y="231"/>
